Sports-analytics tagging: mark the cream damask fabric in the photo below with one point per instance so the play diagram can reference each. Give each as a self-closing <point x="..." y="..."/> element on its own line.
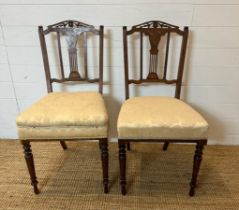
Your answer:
<point x="157" y="117"/>
<point x="65" y="115"/>
<point x="59" y="132"/>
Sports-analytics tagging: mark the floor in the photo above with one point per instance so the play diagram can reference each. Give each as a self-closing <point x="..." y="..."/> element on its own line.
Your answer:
<point x="156" y="179"/>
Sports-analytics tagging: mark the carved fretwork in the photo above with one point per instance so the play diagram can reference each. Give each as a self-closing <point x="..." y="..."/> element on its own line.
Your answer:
<point x="67" y="23"/>
<point x="71" y="30"/>
<point x="154" y="30"/>
<point x="155" y="24"/>
<point x="154" y="39"/>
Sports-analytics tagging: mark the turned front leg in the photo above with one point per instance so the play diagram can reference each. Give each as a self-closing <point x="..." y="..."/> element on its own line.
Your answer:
<point x="30" y="164"/>
<point x="196" y="166"/>
<point x="105" y="162"/>
<point x="122" y="163"/>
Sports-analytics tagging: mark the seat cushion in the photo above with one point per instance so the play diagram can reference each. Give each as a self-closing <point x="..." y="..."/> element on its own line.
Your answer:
<point x="156" y="117"/>
<point x="65" y="115"/>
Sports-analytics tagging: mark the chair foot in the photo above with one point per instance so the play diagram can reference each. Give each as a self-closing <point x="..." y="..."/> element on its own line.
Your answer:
<point x="123" y="190"/>
<point x="103" y="144"/>
<point x="63" y="144"/>
<point x="36" y="190"/>
<point x="191" y="192"/>
<point x="122" y="163"/>
<point x="165" y="146"/>
<point x="196" y="166"/>
<point x="106" y="188"/>
<point x="30" y="165"/>
<point x="128" y="146"/>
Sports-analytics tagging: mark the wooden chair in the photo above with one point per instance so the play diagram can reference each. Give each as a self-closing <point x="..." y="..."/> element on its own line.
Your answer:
<point x="61" y="116"/>
<point x="158" y="118"/>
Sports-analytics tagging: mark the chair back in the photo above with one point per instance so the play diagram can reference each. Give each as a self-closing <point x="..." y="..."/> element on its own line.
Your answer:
<point x="71" y="30"/>
<point x="154" y="31"/>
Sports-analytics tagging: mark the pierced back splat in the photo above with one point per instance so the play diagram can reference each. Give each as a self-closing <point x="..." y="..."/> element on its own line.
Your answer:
<point x="154" y="39"/>
<point x="71" y="31"/>
<point x="154" y="30"/>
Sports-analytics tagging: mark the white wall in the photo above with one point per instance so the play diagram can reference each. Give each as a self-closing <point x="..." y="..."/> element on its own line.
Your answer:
<point x="211" y="82"/>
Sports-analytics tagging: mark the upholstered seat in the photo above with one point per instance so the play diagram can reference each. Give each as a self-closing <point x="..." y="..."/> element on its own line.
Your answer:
<point x="62" y="116"/>
<point x="65" y="115"/>
<point x="159" y="117"/>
